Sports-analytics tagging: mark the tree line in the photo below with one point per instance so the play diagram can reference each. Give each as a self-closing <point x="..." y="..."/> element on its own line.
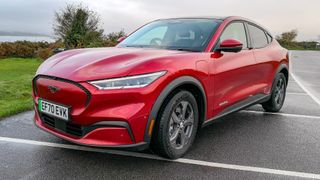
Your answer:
<point x="288" y="41"/>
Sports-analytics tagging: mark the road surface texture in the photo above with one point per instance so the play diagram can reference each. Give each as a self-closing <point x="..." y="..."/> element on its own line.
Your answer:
<point x="249" y="144"/>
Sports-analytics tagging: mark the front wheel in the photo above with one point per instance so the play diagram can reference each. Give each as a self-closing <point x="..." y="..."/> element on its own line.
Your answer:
<point x="176" y="126"/>
<point x="278" y="94"/>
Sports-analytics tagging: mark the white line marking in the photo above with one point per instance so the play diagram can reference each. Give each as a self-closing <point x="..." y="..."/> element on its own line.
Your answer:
<point x="308" y="72"/>
<point x="181" y="160"/>
<point x="300" y="83"/>
<point x="297" y="93"/>
<point x="281" y="114"/>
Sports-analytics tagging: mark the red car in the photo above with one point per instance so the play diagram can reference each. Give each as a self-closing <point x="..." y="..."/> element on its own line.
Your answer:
<point x="161" y="84"/>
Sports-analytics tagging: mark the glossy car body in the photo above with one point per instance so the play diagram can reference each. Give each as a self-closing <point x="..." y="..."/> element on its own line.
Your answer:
<point x="222" y="82"/>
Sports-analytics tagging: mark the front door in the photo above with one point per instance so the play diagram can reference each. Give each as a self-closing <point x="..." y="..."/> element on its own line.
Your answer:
<point x="235" y="74"/>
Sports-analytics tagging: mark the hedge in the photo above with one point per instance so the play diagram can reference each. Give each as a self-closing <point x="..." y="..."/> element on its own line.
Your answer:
<point x="27" y="49"/>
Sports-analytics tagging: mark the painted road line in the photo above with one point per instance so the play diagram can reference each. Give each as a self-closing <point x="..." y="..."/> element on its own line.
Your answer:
<point x="281" y="114"/>
<point x="153" y="157"/>
<point x="306" y="72"/>
<point x="298" y="81"/>
<point x="297" y="93"/>
<point x="305" y="89"/>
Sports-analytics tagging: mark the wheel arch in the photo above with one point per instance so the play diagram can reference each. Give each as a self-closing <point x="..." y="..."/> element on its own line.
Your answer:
<point x="283" y="68"/>
<point x="184" y="82"/>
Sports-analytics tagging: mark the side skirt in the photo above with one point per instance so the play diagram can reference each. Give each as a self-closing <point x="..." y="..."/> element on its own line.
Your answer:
<point x="256" y="99"/>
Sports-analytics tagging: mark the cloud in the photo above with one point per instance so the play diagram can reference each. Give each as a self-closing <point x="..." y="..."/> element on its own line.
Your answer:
<point x="277" y="16"/>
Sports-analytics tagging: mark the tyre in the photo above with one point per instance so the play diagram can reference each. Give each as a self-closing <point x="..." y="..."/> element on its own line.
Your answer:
<point x="176" y="125"/>
<point x="278" y="94"/>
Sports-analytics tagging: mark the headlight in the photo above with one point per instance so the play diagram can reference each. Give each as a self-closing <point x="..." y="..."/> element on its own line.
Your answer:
<point x="128" y="82"/>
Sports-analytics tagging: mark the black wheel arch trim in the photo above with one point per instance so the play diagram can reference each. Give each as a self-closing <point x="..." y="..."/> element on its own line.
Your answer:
<point x="164" y="94"/>
<point x="281" y="67"/>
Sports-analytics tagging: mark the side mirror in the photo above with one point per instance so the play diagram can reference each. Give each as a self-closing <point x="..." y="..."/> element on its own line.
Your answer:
<point x="58" y="50"/>
<point x="230" y="45"/>
<point x="121" y="39"/>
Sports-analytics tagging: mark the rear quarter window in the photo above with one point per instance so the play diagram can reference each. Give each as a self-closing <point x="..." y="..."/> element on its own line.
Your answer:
<point x="269" y="37"/>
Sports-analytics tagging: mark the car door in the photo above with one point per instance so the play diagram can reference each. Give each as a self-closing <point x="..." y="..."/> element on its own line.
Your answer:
<point x="266" y="56"/>
<point x="235" y="75"/>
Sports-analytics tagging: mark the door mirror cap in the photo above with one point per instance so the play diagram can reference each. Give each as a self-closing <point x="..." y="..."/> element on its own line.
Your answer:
<point x="121" y="39"/>
<point x="230" y="45"/>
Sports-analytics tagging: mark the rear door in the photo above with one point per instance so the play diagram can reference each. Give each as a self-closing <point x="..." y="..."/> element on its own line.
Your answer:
<point x="235" y="75"/>
<point x="265" y="55"/>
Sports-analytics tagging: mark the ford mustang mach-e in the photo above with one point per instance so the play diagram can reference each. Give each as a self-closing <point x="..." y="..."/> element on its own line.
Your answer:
<point x="160" y="84"/>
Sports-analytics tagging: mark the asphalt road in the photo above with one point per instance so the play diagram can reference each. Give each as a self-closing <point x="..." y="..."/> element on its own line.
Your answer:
<point x="249" y="144"/>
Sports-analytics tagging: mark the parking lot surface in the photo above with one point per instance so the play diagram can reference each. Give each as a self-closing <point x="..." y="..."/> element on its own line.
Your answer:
<point x="249" y="144"/>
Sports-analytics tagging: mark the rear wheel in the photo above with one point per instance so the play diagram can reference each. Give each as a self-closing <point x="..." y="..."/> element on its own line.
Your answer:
<point x="278" y="94"/>
<point x="177" y="125"/>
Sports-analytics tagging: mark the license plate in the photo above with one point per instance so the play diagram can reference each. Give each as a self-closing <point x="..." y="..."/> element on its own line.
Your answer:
<point x="53" y="109"/>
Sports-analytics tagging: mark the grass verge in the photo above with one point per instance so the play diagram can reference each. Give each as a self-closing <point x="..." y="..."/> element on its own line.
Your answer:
<point x="15" y="84"/>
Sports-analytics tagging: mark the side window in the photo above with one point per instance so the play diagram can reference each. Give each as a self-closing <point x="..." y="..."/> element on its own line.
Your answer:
<point x="235" y="31"/>
<point x="258" y="36"/>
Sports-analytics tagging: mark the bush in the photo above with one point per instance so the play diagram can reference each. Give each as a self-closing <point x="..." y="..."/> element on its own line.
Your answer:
<point x="43" y="50"/>
<point x="2" y="51"/>
<point x="44" y="53"/>
<point x="7" y="49"/>
<point x="24" y="50"/>
<point x="27" y="49"/>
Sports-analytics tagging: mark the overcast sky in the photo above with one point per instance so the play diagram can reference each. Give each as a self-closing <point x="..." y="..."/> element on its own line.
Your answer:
<point x="276" y="15"/>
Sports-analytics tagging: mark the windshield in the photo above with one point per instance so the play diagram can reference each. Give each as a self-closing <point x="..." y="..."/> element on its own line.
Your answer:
<point x="174" y="34"/>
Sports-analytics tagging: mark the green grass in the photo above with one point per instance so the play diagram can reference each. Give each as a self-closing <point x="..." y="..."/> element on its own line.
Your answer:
<point x="15" y="84"/>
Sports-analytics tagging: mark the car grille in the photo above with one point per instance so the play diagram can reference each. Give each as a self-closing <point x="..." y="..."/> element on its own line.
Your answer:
<point x="68" y="88"/>
<point x="62" y="125"/>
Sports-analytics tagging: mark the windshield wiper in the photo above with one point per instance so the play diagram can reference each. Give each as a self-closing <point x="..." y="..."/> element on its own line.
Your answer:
<point x="163" y="47"/>
<point x="185" y="49"/>
<point x="138" y="46"/>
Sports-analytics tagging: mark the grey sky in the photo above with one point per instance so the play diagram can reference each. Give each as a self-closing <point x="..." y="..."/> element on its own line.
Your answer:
<point x="276" y="15"/>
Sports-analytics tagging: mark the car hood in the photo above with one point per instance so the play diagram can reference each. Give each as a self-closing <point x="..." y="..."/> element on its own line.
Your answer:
<point x="99" y="63"/>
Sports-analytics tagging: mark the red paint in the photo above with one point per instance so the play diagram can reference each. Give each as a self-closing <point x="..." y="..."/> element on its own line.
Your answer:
<point x="230" y="43"/>
<point x="110" y="136"/>
<point x="224" y="76"/>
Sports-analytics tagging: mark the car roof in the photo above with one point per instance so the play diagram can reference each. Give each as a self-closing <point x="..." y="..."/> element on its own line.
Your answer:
<point x="198" y="17"/>
<point x="208" y="17"/>
<point x="221" y="18"/>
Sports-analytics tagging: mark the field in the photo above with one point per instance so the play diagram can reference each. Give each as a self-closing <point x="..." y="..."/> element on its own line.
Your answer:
<point x="15" y="84"/>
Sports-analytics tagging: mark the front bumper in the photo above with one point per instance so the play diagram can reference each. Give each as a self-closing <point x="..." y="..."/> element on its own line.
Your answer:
<point x="115" y="118"/>
<point x="111" y="135"/>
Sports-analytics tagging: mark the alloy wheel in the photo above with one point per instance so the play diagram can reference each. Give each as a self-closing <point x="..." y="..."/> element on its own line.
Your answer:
<point x="181" y="125"/>
<point x="279" y="92"/>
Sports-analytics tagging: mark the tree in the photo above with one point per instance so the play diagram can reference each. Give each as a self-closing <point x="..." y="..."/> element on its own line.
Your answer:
<point x="288" y="37"/>
<point x="112" y="38"/>
<point x="78" y="27"/>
